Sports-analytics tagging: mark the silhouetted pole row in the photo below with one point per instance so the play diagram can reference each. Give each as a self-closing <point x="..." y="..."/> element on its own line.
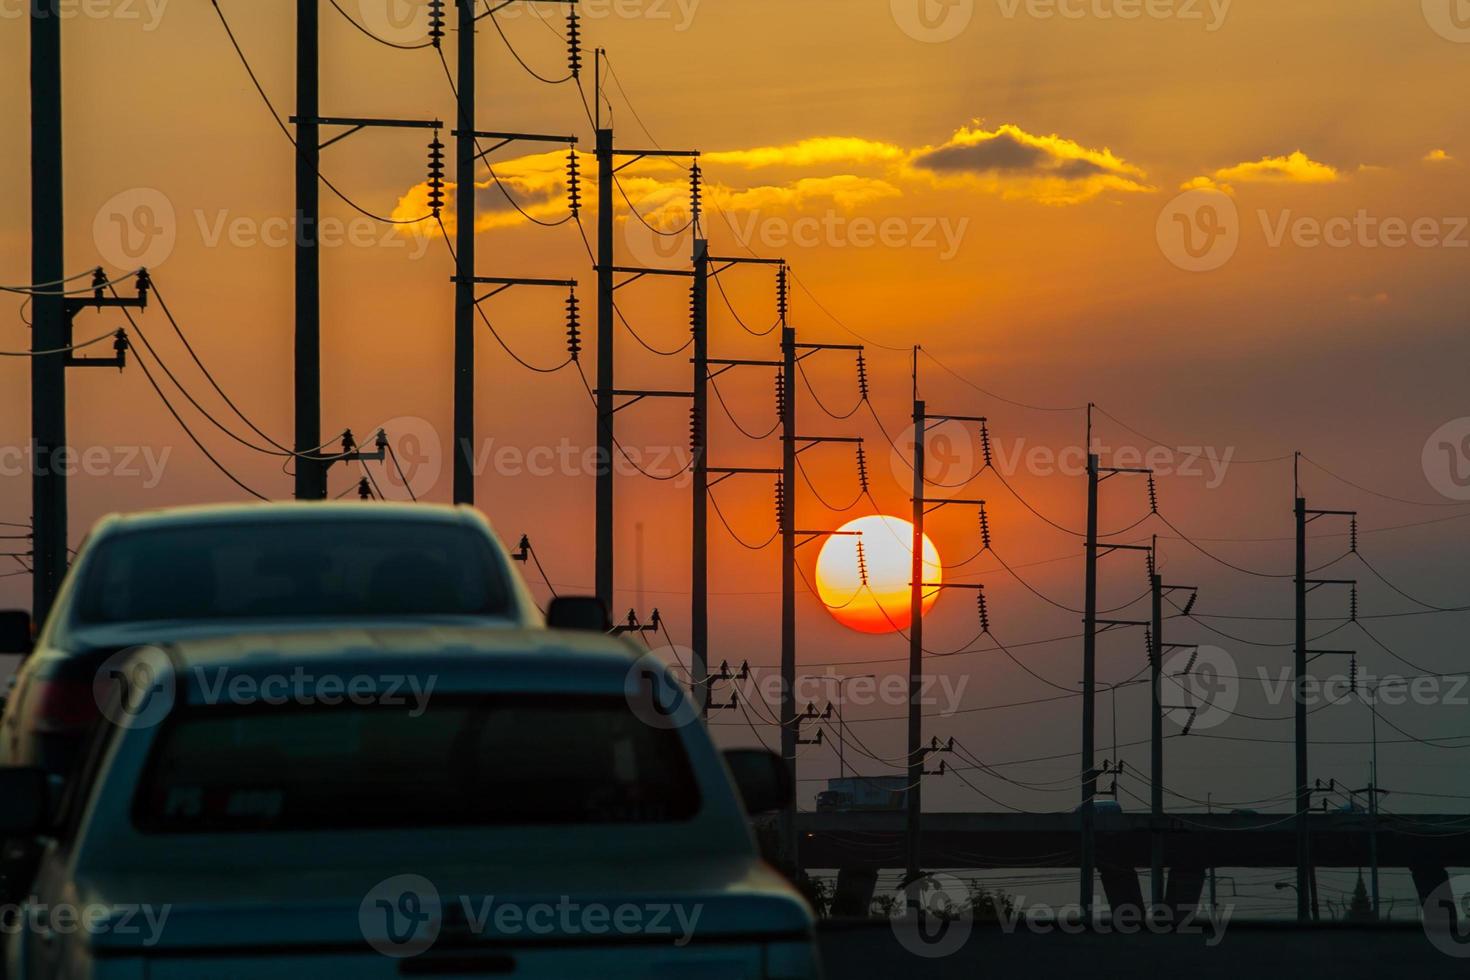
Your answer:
<point x="922" y="505"/>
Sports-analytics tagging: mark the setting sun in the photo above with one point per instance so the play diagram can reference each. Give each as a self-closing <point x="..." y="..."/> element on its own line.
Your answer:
<point x="882" y="606"/>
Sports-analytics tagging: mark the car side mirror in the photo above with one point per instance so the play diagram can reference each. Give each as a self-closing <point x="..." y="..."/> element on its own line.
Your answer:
<point x="763" y="779"/>
<point x="578" y="612"/>
<point x="27" y="797"/>
<point x="15" y="631"/>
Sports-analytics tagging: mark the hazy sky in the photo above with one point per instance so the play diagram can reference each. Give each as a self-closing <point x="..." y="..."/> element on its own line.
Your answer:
<point x="997" y="180"/>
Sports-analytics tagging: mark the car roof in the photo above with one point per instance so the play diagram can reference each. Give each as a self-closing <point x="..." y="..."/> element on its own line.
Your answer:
<point x="460" y="659"/>
<point x="276" y="512"/>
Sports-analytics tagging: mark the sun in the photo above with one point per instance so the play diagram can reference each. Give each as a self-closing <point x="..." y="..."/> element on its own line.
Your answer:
<point x="883" y="605"/>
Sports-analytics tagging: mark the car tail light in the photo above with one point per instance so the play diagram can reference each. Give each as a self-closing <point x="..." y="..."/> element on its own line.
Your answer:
<point x="62" y="707"/>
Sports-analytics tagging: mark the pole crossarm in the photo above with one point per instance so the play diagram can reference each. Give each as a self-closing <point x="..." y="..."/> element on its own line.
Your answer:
<point x="1104" y="549"/>
<point x="814" y="441"/>
<point x="634" y="273"/>
<point x="1314" y="654"/>
<point x="817" y="347"/>
<point x="1109" y="624"/>
<point x="724" y="473"/>
<point x="636" y="395"/>
<point x="1312" y="515"/>
<point x="506" y="282"/>
<point x="637" y="155"/>
<point x="356" y="124"/>
<point x="492" y="11"/>
<point x="978" y="587"/>
<point x="503" y="140"/>
<point x="807" y="537"/>
<point x="728" y="261"/>
<point x="952" y="418"/>
<point x="938" y="502"/>
<point x="727" y="363"/>
<point x="1316" y="583"/>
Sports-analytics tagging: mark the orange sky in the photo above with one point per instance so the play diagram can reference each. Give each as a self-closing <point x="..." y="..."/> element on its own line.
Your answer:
<point x="1002" y="197"/>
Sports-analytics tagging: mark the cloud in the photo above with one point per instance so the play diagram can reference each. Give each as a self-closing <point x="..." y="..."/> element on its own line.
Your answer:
<point x="1013" y="163"/>
<point x="847" y="191"/>
<point x="1438" y="156"/>
<point x="813" y="152"/>
<point x="1294" y="168"/>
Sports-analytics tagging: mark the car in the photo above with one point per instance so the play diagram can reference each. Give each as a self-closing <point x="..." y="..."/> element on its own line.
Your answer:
<point x="551" y="807"/>
<point x="200" y="571"/>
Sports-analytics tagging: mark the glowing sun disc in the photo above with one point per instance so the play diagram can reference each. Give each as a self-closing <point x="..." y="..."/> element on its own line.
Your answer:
<point x="883" y="605"/>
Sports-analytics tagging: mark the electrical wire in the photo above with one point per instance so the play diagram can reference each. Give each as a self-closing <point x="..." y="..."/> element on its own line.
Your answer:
<point x="60" y="350"/>
<point x="736" y="422"/>
<point x="731" y="530"/>
<point x="383" y="41"/>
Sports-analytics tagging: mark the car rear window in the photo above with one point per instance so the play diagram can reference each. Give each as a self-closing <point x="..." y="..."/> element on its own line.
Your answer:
<point x="498" y="761"/>
<point x="292" y="569"/>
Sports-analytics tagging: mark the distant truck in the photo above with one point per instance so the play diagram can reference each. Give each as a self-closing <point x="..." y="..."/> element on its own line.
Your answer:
<point x="864" y="793"/>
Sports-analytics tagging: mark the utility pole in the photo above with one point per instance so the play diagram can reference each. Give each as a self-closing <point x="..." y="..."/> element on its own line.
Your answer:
<point x="48" y="329"/>
<point x="922" y="506"/>
<point x="55" y="313"/>
<point x="464" y="290"/>
<point x="792" y="445"/>
<point x="1096" y="474"/>
<point x="607" y="170"/>
<point x="699" y="445"/>
<point x="311" y="481"/>
<point x="1305" y="874"/>
<point x="1157" y="646"/>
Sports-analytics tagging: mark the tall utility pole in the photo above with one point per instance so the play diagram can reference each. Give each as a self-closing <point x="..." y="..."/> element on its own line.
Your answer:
<point x="699" y="440"/>
<point x="607" y="170"/>
<point x="1087" y="858"/>
<point x="793" y="444"/>
<point x="311" y="483"/>
<point x="1306" y="883"/>
<point x="921" y="507"/>
<point x="464" y="289"/>
<point x="699" y="510"/>
<point x="1096" y="474"/>
<point x="49" y="328"/>
<point x="1157" y="647"/>
<point x="468" y="153"/>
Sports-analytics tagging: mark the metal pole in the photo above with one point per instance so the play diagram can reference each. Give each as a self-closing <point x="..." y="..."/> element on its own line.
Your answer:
<point x="464" y="288"/>
<point x="310" y="482"/>
<point x="1373" y="811"/>
<point x="699" y="439"/>
<point x="916" y="646"/>
<point x="49" y="329"/>
<point x="788" y="569"/>
<point x="1089" y="685"/>
<point x="1156" y="747"/>
<point x="605" y="444"/>
<point x="1303" y="793"/>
